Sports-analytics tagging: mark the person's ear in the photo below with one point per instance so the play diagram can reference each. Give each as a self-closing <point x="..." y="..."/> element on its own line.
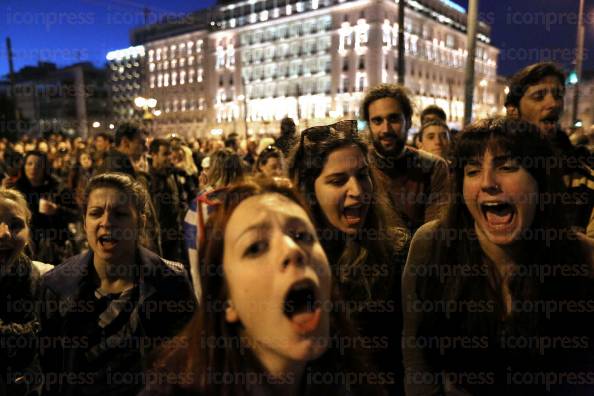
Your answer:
<point x="231" y="315"/>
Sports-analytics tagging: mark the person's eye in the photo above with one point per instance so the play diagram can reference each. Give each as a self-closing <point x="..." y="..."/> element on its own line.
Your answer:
<point x="94" y="213"/>
<point x="471" y="171"/>
<point x="363" y="174"/>
<point x="17" y="224"/>
<point x="538" y="95"/>
<point x="303" y="236"/>
<point x="377" y="121"/>
<point x="394" y="118"/>
<point x="255" y="249"/>
<point x="508" y="167"/>
<point x="338" y="181"/>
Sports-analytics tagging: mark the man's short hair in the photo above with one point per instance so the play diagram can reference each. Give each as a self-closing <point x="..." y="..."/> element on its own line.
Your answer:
<point x="394" y="91"/>
<point x="436" y="110"/>
<point x="528" y="76"/>
<point x="128" y="131"/>
<point x="156" y="143"/>
<point x="429" y="124"/>
<point x="103" y="135"/>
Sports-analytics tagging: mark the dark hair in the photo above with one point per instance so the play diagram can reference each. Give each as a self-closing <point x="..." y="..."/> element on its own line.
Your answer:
<point x="394" y="91"/>
<point x="103" y="135"/>
<point x="226" y="167"/>
<point x="265" y="155"/>
<point x="430" y="124"/>
<point x="197" y="357"/>
<point x="132" y="189"/>
<point x="306" y="163"/>
<point x="287" y="126"/>
<point x="434" y="109"/>
<point x="158" y="142"/>
<point x="45" y="163"/>
<point x="548" y="241"/>
<point x="528" y="76"/>
<point x="128" y="131"/>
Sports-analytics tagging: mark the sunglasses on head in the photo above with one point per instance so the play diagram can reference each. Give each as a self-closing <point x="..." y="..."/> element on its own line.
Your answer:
<point x="319" y="132"/>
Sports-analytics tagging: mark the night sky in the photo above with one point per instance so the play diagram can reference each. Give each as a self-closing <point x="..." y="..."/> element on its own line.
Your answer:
<point x="68" y="31"/>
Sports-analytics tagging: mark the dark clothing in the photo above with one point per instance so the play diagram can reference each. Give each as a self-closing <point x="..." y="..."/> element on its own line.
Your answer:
<point x="49" y="233"/>
<point x="170" y="209"/>
<point x="578" y="176"/>
<point x="417" y="184"/>
<point x="530" y="351"/>
<point x="20" y="372"/>
<point x="116" y="161"/>
<point x="101" y="343"/>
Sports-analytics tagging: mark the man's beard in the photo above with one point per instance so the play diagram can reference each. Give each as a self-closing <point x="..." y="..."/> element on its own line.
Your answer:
<point x="391" y="152"/>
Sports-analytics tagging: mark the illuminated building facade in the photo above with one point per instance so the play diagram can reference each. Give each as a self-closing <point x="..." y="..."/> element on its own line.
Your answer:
<point x="126" y="78"/>
<point x="176" y="78"/>
<point x="312" y="60"/>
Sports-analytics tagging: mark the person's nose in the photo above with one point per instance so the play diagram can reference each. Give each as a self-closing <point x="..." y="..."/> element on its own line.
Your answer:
<point x="489" y="181"/>
<point x="552" y="102"/>
<point x="354" y="189"/>
<point x="293" y="254"/>
<point x="4" y="231"/>
<point x="107" y="218"/>
<point x="385" y="126"/>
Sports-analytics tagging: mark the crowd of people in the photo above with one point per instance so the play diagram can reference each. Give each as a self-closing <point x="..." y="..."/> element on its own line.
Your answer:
<point x="330" y="260"/>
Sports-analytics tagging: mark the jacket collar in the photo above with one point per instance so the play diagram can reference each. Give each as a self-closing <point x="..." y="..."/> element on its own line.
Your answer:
<point x="75" y="275"/>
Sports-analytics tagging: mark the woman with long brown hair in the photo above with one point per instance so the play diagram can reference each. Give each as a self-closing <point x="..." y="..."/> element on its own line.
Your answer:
<point x="487" y="290"/>
<point x="359" y="232"/>
<point x="266" y="324"/>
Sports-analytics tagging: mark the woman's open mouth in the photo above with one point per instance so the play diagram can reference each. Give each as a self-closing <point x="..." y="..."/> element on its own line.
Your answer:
<point x="354" y="214"/>
<point x="107" y="242"/>
<point x="498" y="214"/>
<point x="302" y="306"/>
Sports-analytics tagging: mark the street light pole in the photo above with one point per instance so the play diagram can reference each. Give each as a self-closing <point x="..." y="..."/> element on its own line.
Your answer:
<point x="579" y="58"/>
<point x="471" y="27"/>
<point x="401" y="46"/>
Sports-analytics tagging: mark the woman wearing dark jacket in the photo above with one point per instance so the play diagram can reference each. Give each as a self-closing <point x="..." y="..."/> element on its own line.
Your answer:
<point x="52" y="208"/>
<point x="20" y="373"/>
<point x="108" y="308"/>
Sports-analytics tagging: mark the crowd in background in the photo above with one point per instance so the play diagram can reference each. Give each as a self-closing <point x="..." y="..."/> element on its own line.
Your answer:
<point x="427" y="248"/>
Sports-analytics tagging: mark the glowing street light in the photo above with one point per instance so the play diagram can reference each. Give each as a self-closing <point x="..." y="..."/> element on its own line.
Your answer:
<point x="96" y="124"/>
<point x="139" y="101"/>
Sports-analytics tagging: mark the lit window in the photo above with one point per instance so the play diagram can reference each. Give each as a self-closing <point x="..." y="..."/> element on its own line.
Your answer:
<point x="182" y="62"/>
<point x="199" y="78"/>
<point x="190" y="61"/>
<point x="151" y="55"/>
<point x="152" y="81"/>
<point x="166" y="80"/>
<point x="182" y="78"/>
<point x="174" y="78"/>
<point x="173" y="63"/>
<point x="160" y="80"/>
<point x="191" y="76"/>
<point x="165" y="65"/>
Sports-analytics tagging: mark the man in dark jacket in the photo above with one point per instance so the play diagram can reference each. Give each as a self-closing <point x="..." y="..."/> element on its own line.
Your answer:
<point x="536" y="94"/>
<point x="96" y="344"/>
<point x="130" y="144"/>
<point x="166" y="197"/>
<point x="416" y="182"/>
